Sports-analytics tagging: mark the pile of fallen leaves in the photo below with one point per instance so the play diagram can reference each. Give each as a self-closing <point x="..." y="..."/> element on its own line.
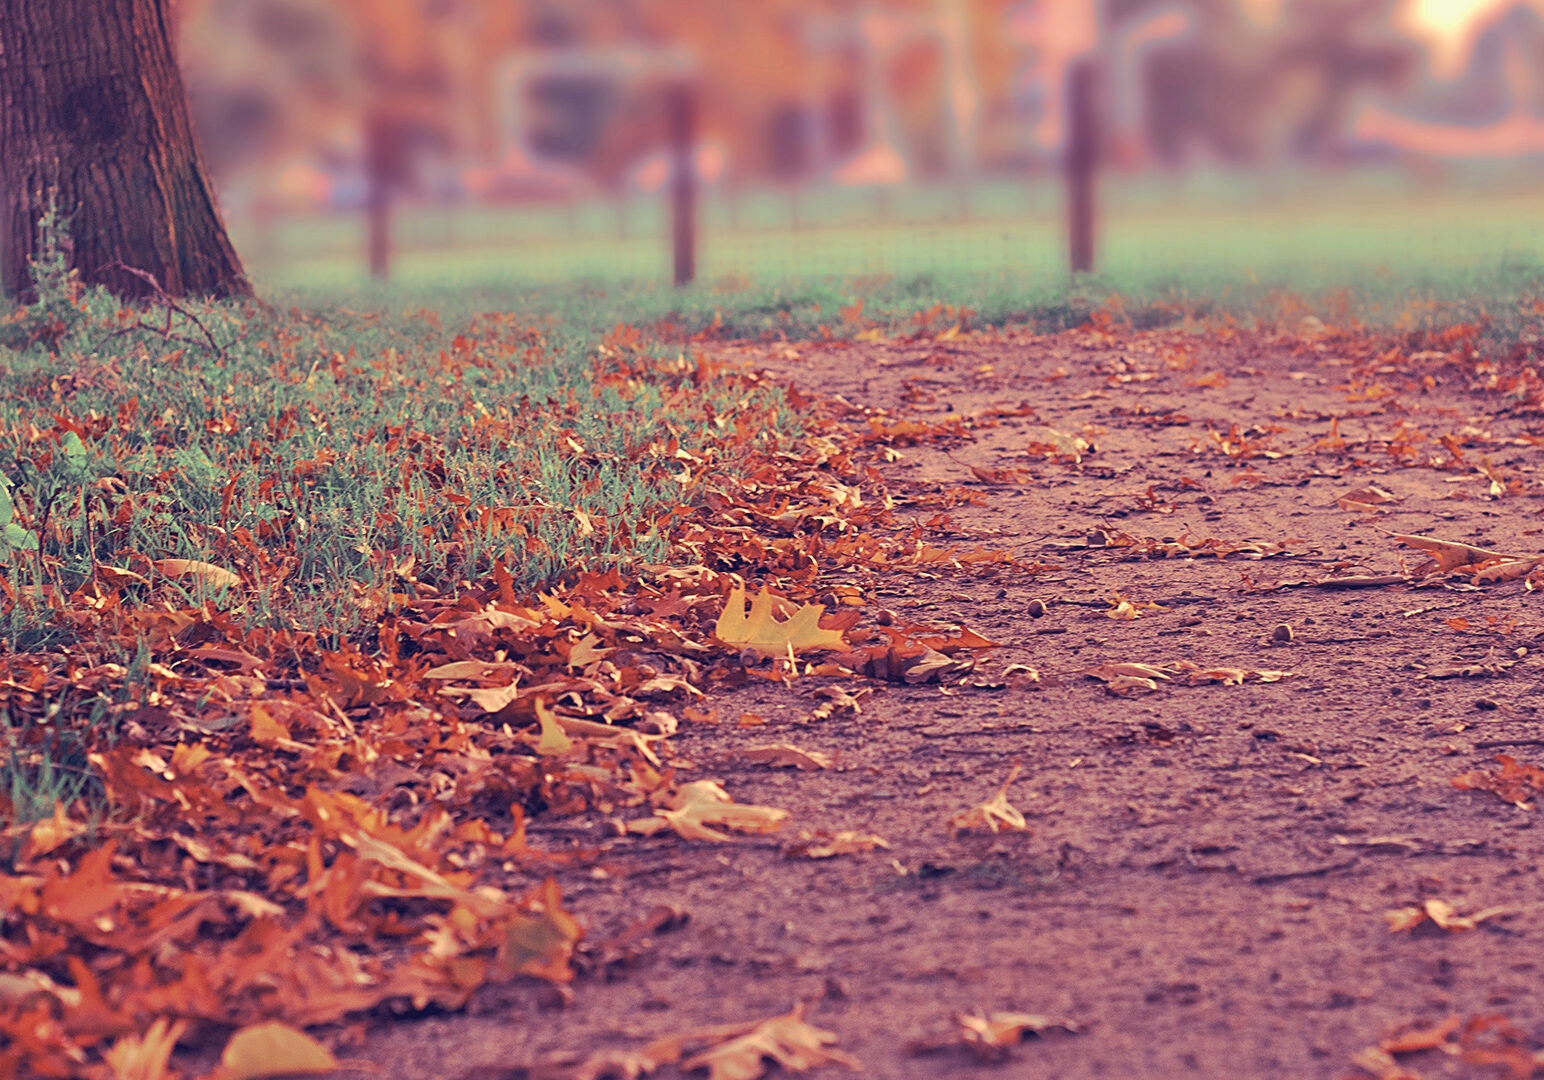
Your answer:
<point x="283" y="831"/>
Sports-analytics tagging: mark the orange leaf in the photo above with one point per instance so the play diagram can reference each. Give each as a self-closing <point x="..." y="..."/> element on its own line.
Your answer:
<point x="207" y="574"/>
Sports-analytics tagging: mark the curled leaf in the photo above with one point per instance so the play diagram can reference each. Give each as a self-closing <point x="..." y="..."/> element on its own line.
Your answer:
<point x="994" y="815"/>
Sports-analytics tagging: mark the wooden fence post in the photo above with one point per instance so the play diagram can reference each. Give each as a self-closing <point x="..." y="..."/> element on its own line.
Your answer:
<point x="381" y="169"/>
<point x="1082" y="164"/>
<point x="681" y="127"/>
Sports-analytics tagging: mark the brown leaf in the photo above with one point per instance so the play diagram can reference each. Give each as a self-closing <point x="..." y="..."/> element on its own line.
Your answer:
<point x="781" y="755"/>
<point x="786" y="1041"/>
<point x="702" y="803"/>
<point x="1514" y="782"/>
<point x="824" y="845"/>
<point x="1106" y="672"/>
<point x="1441" y="914"/>
<point x="994" y="815"/>
<point x="1366" y="498"/>
<point x="989" y="1036"/>
<point x="541" y="944"/>
<point x="1448" y="554"/>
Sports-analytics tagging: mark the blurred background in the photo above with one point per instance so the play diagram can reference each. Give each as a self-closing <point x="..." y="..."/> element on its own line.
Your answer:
<point x="546" y="139"/>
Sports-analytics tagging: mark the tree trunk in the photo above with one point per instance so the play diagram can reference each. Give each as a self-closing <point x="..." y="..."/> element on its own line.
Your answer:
<point x="93" y="114"/>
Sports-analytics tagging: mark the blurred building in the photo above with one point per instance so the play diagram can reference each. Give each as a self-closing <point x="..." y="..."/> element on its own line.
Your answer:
<point x="307" y="102"/>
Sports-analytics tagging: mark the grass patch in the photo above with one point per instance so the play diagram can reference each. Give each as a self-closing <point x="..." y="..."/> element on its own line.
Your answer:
<point x="336" y="458"/>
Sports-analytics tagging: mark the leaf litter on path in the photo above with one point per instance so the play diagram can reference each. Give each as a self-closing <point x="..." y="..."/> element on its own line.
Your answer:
<point x="401" y="837"/>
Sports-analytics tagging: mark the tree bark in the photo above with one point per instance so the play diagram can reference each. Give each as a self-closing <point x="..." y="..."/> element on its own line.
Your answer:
<point x="93" y="115"/>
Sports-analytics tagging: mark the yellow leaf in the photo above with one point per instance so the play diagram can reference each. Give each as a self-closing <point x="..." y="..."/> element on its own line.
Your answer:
<point x="208" y="574"/>
<point x="702" y="803"/>
<point x="272" y="1049"/>
<point x="554" y="740"/>
<point x="540" y="944"/>
<point x="784" y="1040"/>
<point x="761" y="631"/>
<point x="144" y="1057"/>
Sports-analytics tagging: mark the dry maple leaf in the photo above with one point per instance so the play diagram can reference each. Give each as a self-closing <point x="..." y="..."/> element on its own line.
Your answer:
<point x="1514" y="782"/>
<point x="272" y="1049"/>
<point x="540" y="944"/>
<point x="761" y="631"/>
<point x="994" y="815"/>
<point x="1510" y="570"/>
<point x="1235" y="676"/>
<point x="785" y="1040"/>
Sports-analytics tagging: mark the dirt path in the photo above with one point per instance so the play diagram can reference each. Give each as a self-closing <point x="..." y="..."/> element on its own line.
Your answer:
<point x="1203" y="882"/>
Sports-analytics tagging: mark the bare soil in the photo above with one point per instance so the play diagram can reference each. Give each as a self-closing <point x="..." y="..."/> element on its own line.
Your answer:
<point x="1203" y="882"/>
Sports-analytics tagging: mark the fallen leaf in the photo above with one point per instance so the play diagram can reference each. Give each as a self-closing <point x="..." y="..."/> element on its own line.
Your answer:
<point x="786" y="1041"/>
<point x="1441" y="914"/>
<point x="760" y="630"/>
<point x="1048" y="442"/>
<point x="781" y="755"/>
<point x="824" y="845"/>
<point x="1510" y="570"/>
<point x="116" y="577"/>
<point x="702" y="803"/>
<point x="994" y="815"/>
<point x="1448" y="554"/>
<point x="207" y="574"/>
<point x="145" y="1057"/>
<point x="1514" y="782"/>
<point x="1106" y="672"/>
<point x="1421" y="1037"/>
<point x="1366" y="498"/>
<point x="540" y="944"/>
<point x="989" y="1036"/>
<point x="1121" y="685"/>
<point x="553" y="740"/>
<point x="272" y="1049"/>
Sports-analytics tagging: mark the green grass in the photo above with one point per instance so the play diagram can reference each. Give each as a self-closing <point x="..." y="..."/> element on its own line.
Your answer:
<point x="1375" y="246"/>
<point x="337" y="459"/>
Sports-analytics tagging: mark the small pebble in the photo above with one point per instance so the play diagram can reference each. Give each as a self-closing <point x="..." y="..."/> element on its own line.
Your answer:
<point x="1036" y="608"/>
<point x="1283" y="633"/>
